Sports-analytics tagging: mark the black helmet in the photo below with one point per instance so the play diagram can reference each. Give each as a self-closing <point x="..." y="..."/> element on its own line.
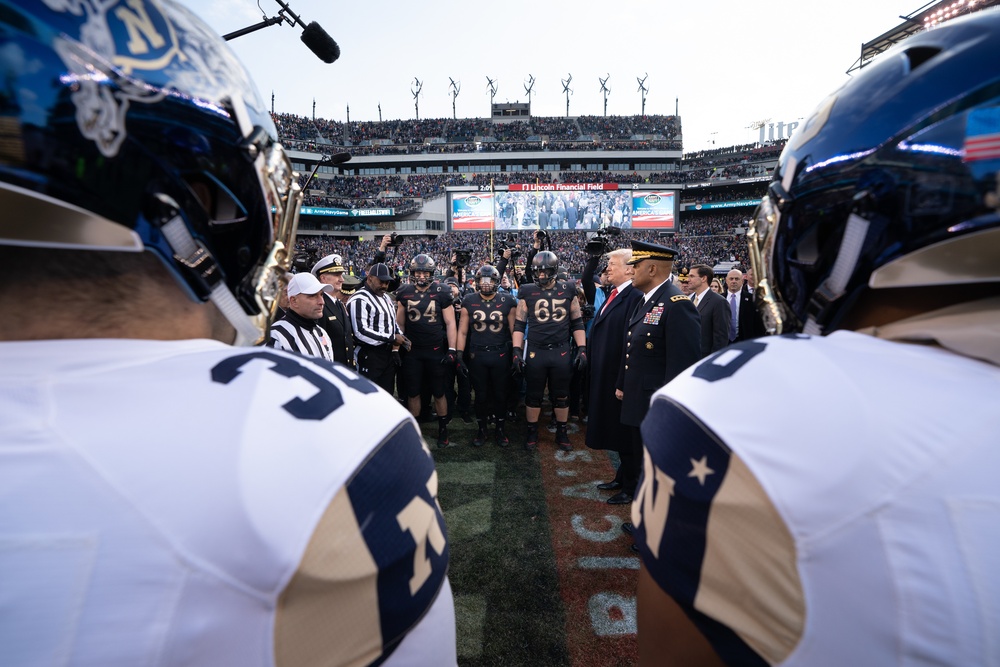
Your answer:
<point x="487" y="280"/>
<point x="892" y="182"/>
<point x="545" y="267"/>
<point x="108" y="147"/>
<point x="422" y="263"/>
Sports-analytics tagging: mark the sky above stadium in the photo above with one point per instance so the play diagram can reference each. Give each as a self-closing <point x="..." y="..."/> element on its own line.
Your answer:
<point x="724" y="65"/>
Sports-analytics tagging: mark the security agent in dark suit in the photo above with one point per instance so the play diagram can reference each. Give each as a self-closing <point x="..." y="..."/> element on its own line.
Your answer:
<point x="747" y="323"/>
<point x="662" y="338"/>
<point x="330" y="271"/>
<point x="606" y="349"/>
<point x="712" y="308"/>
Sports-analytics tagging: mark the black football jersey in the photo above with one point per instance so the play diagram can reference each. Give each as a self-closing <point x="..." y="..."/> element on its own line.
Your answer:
<point x="548" y="311"/>
<point x="425" y="313"/>
<point x="488" y="318"/>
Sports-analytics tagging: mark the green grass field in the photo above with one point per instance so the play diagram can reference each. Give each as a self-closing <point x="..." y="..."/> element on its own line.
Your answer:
<point x="541" y="572"/>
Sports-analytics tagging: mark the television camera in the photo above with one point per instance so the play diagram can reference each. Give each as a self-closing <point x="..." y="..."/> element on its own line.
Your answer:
<point x="600" y="242"/>
<point x="303" y="261"/>
<point x="462" y="257"/>
<point x="509" y="242"/>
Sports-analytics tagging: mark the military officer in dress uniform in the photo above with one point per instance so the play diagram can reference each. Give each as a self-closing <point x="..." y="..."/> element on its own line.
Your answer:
<point x="351" y="285"/>
<point x="663" y="337"/>
<point x="330" y="271"/>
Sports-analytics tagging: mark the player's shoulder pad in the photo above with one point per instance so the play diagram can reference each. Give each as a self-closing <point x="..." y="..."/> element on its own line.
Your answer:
<point x="394" y="499"/>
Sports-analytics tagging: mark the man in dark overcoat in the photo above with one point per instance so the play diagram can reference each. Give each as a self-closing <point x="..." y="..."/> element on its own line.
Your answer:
<point x="606" y="349"/>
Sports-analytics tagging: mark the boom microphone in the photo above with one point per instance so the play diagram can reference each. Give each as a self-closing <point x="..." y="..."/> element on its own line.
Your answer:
<point x="320" y="43"/>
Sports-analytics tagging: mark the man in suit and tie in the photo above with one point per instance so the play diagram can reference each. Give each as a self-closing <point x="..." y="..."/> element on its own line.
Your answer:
<point x="330" y="271"/>
<point x="662" y="338"/>
<point x="712" y="309"/>
<point x="744" y="321"/>
<point x="605" y="348"/>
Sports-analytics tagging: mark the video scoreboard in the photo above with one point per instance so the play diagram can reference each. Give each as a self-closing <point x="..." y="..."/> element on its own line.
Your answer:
<point x="563" y="206"/>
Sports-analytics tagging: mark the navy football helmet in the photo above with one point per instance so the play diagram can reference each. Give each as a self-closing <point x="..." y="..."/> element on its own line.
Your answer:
<point x="894" y="181"/>
<point x="487" y="280"/>
<point x="545" y="267"/>
<point x="131" y="126"/>
<point x="423" y="264"/>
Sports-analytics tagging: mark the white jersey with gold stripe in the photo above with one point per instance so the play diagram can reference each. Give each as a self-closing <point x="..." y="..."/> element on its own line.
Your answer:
<point x="829" y="501"/>
<point x="167" y="503"/>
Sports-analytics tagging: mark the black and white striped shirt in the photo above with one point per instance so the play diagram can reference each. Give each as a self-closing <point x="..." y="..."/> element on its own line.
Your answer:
<point x="295" y="333"/>
<point x="373" y="318"/>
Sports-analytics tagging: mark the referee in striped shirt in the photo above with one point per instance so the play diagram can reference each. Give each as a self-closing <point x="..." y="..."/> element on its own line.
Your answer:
<point x="299" y="330"/>
<point x="373" y="318"/>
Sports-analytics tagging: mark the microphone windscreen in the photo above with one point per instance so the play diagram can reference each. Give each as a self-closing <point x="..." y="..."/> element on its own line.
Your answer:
<point x="338" y="158"/>
<point x="320" y="43"/>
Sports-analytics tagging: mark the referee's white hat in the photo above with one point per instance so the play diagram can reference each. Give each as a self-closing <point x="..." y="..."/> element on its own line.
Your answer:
<point x="306" y="283"/>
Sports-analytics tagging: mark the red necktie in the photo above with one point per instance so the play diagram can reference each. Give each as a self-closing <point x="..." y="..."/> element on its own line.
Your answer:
<point x="611" y="297"/>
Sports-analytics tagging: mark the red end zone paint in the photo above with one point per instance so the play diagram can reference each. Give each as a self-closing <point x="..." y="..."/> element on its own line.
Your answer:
<point x="597" y="570"/>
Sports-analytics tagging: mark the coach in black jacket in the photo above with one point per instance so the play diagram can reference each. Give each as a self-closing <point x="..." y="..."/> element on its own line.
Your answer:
<point x="662" y="338"/>
<point x="712" y="309"/>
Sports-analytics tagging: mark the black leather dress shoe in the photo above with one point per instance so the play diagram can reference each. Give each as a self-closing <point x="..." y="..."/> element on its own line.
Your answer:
<point x="613" y="485"/>
<point x="628" y="528"/>
<point x="620" y="498"/>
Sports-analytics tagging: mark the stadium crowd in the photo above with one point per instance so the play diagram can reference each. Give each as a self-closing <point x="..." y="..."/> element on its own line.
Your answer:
<point x="443" y="135"/>
<point x="461" y="130"/>
<point x="705" y="238"/>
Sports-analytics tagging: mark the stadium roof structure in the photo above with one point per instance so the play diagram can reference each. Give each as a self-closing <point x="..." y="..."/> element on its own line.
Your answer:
<point x="928" y="16"/>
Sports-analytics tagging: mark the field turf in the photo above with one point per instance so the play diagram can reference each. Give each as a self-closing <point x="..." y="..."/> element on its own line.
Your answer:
<point x="541" y="571"/>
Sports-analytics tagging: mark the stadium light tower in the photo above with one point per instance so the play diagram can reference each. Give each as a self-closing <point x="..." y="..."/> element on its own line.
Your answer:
<point x="643" y="90"/>
<point x="527" y="88"/>
<point x="415" y="89"/>
<point x="605" y="90"/>
<point x="492" y="85"/>
<point x="456" y="88"/>
<point x="566" y="89"/>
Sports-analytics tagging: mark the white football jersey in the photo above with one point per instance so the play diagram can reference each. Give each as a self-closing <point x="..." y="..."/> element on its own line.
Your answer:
<point x="829" y="501"/>
<point x="168" y="503"/>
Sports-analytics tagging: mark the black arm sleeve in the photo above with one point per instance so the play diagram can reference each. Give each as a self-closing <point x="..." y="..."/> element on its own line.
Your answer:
<point x="529" y="276"/>
<point x="502" y="265"/>
<point x="588" y="278"/>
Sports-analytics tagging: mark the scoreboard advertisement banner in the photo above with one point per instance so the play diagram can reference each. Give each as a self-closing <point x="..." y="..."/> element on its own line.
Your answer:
<point x="653" y="210"/>
<point x="471" y="210"/>
<point x="563" y="206"/>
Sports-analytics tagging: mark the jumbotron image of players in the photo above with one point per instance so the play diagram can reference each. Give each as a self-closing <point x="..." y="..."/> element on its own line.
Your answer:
<point x="425" y="314"/>
<point x="550" y="310"/>
<point x="485" y="332"/>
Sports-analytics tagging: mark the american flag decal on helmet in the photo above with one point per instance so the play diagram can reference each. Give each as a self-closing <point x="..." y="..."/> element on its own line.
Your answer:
<point x="982" y="135"/>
